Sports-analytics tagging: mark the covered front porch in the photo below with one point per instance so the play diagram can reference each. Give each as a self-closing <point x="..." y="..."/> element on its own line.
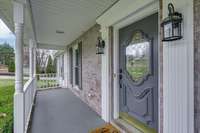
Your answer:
<point x="49" y="25"/>
<point x="59" y="111"/>
<point x="165" y="104"/>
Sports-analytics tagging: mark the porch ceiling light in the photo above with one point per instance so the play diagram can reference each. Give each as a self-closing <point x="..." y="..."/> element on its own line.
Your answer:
<point x="60" y="32"/>
<point x="100" y="46"/>
<point x="171" y="26"/>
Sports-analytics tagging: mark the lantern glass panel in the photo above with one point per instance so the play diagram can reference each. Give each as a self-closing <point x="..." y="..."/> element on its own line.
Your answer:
<point x="99" y="50"/>
<point x="168" y="30"/>
<point x="176" y="29"/>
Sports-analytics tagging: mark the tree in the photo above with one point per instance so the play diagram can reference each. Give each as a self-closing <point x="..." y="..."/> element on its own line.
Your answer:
<point x="45" y="61"/>
<point x="7" y="56"/>
<point x="11" y="66"/>
<point x="51" y="65"/>
<point x="41" y="60"/>
<point x="54" y="66"/>
<point x="49" y="68"/>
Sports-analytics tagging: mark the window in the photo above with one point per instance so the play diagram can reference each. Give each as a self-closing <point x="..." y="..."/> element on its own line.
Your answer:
<point x="76" y="65"/>
<point x="138" y="57"/>
<point x="71" y="65"/>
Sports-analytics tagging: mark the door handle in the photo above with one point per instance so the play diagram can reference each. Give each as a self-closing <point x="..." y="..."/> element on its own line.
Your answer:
<point x="120" y="76"/>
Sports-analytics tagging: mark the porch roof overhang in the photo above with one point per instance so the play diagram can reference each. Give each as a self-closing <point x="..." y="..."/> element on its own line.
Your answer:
<point x="55" y="24"/>
<point x="6" y="13"/>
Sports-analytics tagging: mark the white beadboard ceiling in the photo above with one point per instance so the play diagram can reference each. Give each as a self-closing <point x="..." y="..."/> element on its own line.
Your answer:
<point x="74" y="17"/>
<point x="6" y="14"/>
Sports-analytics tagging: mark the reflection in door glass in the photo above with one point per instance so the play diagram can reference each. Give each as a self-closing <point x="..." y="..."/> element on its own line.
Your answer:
<point x="138" y="60"/>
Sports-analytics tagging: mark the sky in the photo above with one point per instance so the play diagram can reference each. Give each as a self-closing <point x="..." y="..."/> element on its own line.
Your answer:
<point x="6" y="35"/>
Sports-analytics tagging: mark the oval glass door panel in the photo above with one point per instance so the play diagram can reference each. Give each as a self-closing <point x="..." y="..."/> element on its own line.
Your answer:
<point x="138" y="57"/>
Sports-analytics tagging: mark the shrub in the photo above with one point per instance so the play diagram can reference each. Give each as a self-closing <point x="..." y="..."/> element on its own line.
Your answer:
<point x="11" y="66"/>
<point x="8" y="127"/>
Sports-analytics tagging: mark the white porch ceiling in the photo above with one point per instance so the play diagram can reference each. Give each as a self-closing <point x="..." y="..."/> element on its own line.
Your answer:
<point x="74" y="17"/>
<point x="6" y="13"/>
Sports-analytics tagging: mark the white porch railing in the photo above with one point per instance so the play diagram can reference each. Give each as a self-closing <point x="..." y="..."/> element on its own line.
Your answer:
<point x="46" y="81"/>
<point x="40" y="81"/>
<point x="29" y="95"/>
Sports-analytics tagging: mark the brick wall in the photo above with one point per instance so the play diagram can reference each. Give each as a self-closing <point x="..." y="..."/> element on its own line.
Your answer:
<point x="197" y="63"/>
<point x="91" y="70"/>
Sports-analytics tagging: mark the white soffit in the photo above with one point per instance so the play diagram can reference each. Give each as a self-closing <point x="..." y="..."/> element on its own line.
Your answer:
<point x="124" y="9"/>
<point x="74" y="17"/>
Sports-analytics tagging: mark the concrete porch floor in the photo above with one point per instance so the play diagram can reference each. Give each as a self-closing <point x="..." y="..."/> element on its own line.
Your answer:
<point x="60" y="111"/>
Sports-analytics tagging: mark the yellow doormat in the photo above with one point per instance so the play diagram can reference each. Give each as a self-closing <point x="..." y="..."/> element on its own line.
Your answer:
<point x="108" y="128"/>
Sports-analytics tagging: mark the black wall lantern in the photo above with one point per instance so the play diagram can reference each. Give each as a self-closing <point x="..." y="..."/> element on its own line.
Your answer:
<point x="171" y="26"/>
<point x="100" y="46"/>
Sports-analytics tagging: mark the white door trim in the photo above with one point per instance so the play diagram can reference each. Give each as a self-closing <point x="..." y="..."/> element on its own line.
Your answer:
<point x="114" y="17"/>
<point x="149" y="10"/>
<point x="122" y="13"/>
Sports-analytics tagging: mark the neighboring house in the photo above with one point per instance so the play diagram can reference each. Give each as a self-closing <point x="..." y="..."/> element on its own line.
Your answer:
<point x="154" y="89"/>
<point x="26" y="61"/>
<point x="3" y="69"/>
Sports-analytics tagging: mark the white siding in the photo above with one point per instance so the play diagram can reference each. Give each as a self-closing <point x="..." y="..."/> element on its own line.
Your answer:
<point x="178" y="74"/>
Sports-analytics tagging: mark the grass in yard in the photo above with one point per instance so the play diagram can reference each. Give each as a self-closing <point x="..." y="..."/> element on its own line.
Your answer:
<point x="6" y="105"/>
<point x="6" y="102"/>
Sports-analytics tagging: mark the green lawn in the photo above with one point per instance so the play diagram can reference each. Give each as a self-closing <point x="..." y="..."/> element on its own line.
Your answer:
<point x="6" y="105"/>
<point x="6" y="102"/>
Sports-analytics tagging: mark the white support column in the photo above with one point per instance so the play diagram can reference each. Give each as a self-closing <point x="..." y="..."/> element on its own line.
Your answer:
<point x="34" y="65"/>
<point x="19" y="120"/>
<point x="58" y="69"/>
<point x="34" y="59"/>
<point x="105" y="89"/>
<point x="31" y="60"/>
<point x="66" y="69"/>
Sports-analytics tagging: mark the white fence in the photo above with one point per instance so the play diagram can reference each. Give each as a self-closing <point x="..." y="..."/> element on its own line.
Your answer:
<point x="29" y="94"/>
<point x="45" y="81"/>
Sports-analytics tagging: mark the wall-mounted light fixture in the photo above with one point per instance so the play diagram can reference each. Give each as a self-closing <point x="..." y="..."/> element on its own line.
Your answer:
<point x="171" y="26"/>
<point x="100" y="46"/>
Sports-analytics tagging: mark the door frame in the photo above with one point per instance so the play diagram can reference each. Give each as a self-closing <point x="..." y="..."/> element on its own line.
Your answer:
<point x="136" y="16"/>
